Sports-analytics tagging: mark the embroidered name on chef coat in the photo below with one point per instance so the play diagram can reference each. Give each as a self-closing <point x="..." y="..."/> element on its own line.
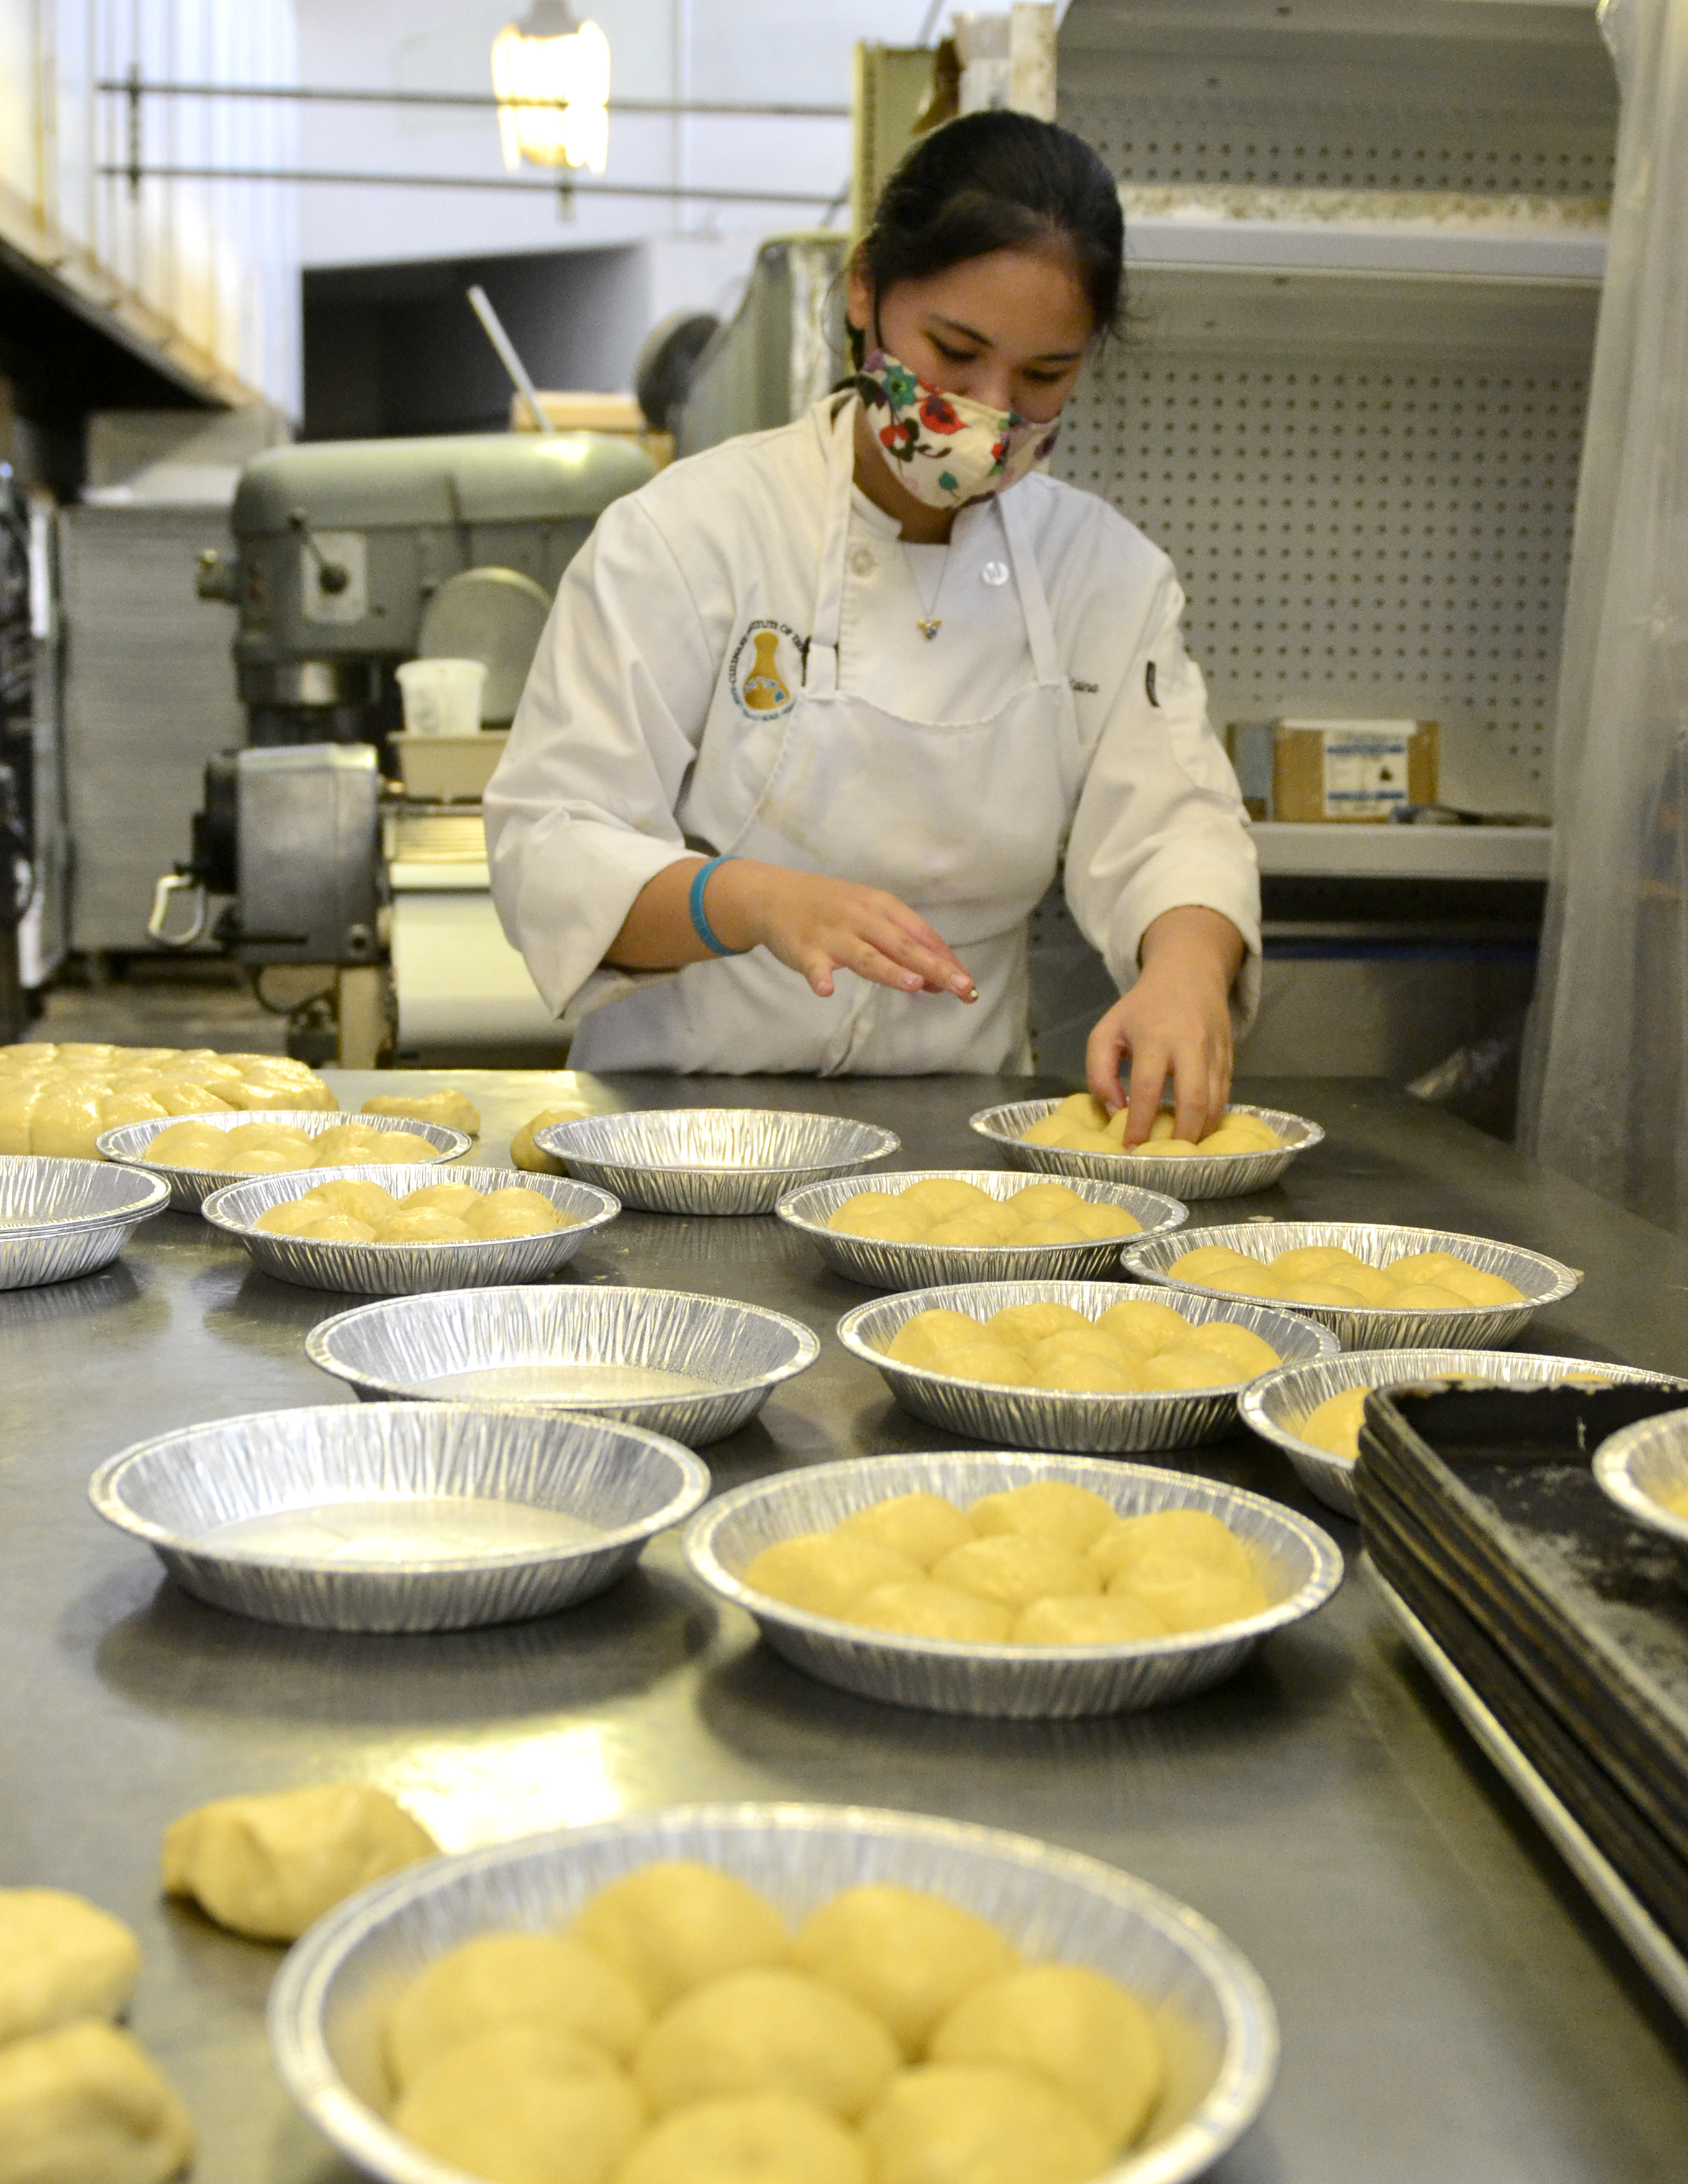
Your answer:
<point x="766" y="672"/>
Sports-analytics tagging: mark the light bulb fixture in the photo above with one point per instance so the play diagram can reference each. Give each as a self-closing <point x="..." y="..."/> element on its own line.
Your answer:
<point x="548" y="56"/>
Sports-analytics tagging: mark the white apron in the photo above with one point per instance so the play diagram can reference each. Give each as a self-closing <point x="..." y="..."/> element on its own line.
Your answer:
<point x="963" y="819"/>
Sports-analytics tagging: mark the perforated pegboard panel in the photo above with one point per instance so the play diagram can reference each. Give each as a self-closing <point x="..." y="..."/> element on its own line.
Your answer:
<point x="1357" y="539"/>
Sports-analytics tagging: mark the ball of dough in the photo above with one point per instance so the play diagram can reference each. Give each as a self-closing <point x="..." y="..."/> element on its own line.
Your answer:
<point x="1045" y="1202"/>
<point x="457" y="1198"/>
<point x="1187" y="1595"/>
<point x="823" y="1572"/>
<point x="752" y="2138"/>
<point x="1098" y="1222"/>
<point x="1196" y="1532"/>
<point x="1095" y="1343"/>
<point x="268" y="1866"/>
<point x="1020" y="1324"/>
<point x="1045" y="1509"/>
<point x="1335" y="1426"/>
<point x="1087" y="1374"/>
<point x="941" y="1196"/>
<point x="261" y="1159"/>
<point x="426" y="1225"/>
<point x="1459" y="1275"/>
<point x="1329" y="1296"/>
<point x="1044" y="1232"/>
<point x="1052" y="1130"/>
<point x="1252" y="1353"/>
<point x="187" y="1145"/>
<point x="1015" y="1570"/>
<point x="294" y="1217"/>
<point x="1190" y="1365"/>
<point x="968" y="2124"/>
<point x="1106" y="1619"/>
<point x="906" y="1956"/>
<point x="451" y="1108"/>
<point x="677" y="1923"/>
<point x="364" y="1201"/>
<point x="525" y="1153"/>
<point x="971" y="1231"/>
<point x="772" y="2031"/>
<point x="495" y="2109"/>
<point x="921" y="1608"/>
<point x="1144" y="1325"/>
<point x="337" y="1229"/>
<point x="1427" y="1297"/>
<point x="997" y="1362"/>
<point x="1253" y="1280"/>
<point x="917" y="1340"/>
<point x="921" y="1525"/>
<point x="880" y="1217"/>
<point x="60" y="1959"/>
<point x="1085" y="1108"/>
<point x="85" y="2105"/>
<point x="550" y="1982"/>
<point x="1314" y="1261"/>
<point x="268" y="1138"/>
<point x="516" y="1213"/>
<point x="1203" y="1261"/>
<point x="1075" y="2027"/>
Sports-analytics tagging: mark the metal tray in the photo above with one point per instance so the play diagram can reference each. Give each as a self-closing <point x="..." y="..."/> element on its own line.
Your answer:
<point x="190" y="1186"/>
<point x="713" y="1159"/>
<point x="1024" y="1683"/>
<point x="403" y="1269"/>
<point x="1276" y="1402"/>
<point x="888" y="1265"/>
<point x="175" y="1492"/>
<point x="1651" y="1947"/>
<point x="1052" y="1418"/>
<point x="1642" y="1463"/>
<point x="1543" y="1280"/>
<point x="335" y="1986"/>
<point x="61" y="1217"/>
<point x="1186" y="1176"/>
<point x="744" y="1351"/>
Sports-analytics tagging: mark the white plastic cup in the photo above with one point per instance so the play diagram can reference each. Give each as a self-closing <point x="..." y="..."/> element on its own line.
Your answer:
<point x="441" y="697"/>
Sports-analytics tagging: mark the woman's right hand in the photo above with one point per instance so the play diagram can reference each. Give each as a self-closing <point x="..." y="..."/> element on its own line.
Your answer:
<point x="818" y="925"/>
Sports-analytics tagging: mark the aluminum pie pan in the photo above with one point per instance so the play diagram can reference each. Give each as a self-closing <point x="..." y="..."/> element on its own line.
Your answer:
<point x="174" y="1492"/>
<point x="713" y="1159"/>
<point x="1055" y="1419"/>
<point x="403" y="1269"/>
<point x="1276" y="1403"/>
<point x="335" y="1985"/>
<point x="61" y="1218"/>
<point x="1543" y="1280"/>
<point x="1190" y="1175"/>
<point x="190" y="1186"/>
<point x="1638" y="1465"/>
<point x="1021" y="1683"/>
<point x="394" y="1348"/>
<point x="879" y="1265"/>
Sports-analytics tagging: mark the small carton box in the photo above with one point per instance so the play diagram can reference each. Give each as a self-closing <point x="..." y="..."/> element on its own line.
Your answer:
<point x="1341" y="771"/>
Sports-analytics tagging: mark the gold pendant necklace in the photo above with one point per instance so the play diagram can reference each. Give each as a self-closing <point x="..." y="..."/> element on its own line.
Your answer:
<point x="929" y="621"/>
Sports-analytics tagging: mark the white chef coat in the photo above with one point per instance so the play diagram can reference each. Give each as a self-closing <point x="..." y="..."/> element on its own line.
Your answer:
<point x="686" y="672"/>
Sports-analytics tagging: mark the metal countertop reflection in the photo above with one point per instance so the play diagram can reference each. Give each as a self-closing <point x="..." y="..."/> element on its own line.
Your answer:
<point x="1450" y="2008"/>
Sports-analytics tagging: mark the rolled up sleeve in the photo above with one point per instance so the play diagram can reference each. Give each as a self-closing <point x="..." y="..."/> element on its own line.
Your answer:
<point x="580" y="813"/>
<point x="1159" y="823"/>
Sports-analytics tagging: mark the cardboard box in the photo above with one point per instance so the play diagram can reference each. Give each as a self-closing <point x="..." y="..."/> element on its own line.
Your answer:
<point x="1342" y="772"/>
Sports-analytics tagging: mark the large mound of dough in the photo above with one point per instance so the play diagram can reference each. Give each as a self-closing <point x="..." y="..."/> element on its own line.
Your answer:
<point x="451" y="1109"/>
<point x="526" y="1154"/>
<point x="677" y="1923"/>
<point x="1133" y="1347"/>
<point x="751" y="2139"/>
<point x="84" y="2105"/>
<point x="947" y="1210"/>
<point x="1073" y="2026"/>
<point x="269" y="1866"/>
<point x="440" y="1213"/>
<point x="273" y="1148"/>
<point x="515" y="2106"/>
<point x="1331" y="1275"/>
<point x="1083" y="1124"/>
<point x="1027" y="1566"/>
<point x="61" y="1958"/>
<point x="772" y="2031"/>
<point x="58" y="1098"/>
<point x="967" y="2124"/>
<point x="549" y="1982"/>
<point x="908" y="1957"/>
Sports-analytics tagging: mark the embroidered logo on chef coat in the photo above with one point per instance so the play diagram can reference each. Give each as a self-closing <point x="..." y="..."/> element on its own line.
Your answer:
<point x="765" y="671"/>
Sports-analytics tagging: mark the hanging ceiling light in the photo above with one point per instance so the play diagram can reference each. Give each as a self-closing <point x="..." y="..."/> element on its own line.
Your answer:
<point x="550" y="56"/>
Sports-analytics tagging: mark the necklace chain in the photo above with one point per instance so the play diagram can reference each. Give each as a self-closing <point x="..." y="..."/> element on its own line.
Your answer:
<point x="928" y="622"/>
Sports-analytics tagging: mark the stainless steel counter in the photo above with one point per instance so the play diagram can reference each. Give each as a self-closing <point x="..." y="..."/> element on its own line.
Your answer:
<point x="1452" y="2012"/>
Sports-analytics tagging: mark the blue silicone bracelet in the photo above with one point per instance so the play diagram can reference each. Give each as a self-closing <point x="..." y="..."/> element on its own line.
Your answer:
<point x="705" y="932"/>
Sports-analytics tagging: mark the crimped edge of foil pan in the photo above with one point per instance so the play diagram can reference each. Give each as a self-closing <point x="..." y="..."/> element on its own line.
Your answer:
<point x="710" y="1190"/>
<point x="868" y="1844"/>
<point x="998" y="1673"/>
<point x="63" y="1248"/>
<point x="1631" y="1467"/>
<point x="1073" y="1421"/>
<point x="1297" y="1390"/>
<point x="126" y="1143"/>
<point x="1214" y="1175"/>
<point x="1476" y="1326"/>
<point x="879" y="1265"/>
<point x="406" y="1269"/>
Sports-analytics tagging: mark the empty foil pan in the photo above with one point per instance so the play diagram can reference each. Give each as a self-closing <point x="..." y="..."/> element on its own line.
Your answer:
<point x="59" y="1219"/>
<point x="713" y="1159"/>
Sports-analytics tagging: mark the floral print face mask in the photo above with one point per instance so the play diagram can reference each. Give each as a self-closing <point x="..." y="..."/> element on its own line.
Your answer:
<point x="945" y="450"/>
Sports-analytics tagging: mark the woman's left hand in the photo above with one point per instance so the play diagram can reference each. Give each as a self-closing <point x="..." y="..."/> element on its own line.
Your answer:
<point x="1175" y="1021"/>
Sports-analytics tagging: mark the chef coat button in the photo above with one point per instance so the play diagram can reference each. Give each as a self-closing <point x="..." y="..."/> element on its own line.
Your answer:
<point x="862" y="562"/>
<point x="994" y="572"/>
